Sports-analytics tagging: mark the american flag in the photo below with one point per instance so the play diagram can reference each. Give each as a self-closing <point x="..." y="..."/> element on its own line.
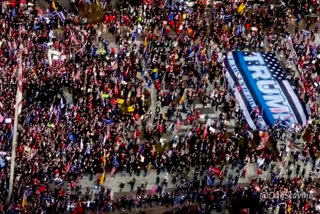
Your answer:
<point x="272" y="106"/>
<point x="273" y="64"/>
<point x="62" y="16"/>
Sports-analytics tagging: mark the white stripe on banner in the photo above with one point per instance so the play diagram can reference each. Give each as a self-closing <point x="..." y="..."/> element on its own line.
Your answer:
<point x="241" y="81"/>
<point x="286" y="103"/>
<point x="244" y="88"/>
<point x="296" y="101"/>
<point x="241" y="102"/>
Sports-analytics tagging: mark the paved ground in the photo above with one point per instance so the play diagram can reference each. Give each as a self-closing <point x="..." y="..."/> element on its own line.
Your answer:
<point x="279" y="168"/>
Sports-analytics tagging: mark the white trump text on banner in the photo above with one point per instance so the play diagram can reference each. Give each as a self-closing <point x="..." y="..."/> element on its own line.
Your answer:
<point x="263" y="90"/>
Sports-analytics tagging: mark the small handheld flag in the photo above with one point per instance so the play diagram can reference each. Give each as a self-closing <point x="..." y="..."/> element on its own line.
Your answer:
<point x="54" y="5"/>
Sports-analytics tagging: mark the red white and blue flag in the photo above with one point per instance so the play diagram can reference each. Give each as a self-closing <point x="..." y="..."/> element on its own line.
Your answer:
<point x="265" y="87"/>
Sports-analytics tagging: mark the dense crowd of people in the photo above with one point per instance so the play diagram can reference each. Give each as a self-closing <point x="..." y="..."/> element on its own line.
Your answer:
<point x="102" y="108"/>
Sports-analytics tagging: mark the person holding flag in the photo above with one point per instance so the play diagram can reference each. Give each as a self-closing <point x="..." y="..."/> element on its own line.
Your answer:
<point x="103" y="176"/>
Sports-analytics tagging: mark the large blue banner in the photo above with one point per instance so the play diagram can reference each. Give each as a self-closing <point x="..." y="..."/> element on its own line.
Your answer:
<point x="263" y="90"/>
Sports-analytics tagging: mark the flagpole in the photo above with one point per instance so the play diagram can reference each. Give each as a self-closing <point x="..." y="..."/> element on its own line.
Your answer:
<point x="103" y="176"/>
<point x="15" y="124"/>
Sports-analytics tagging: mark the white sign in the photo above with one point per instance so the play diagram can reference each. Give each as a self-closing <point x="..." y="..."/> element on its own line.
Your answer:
<point x="8" y="120"/>
<point x="211" y="129"/>
<point x="53" y="55"/>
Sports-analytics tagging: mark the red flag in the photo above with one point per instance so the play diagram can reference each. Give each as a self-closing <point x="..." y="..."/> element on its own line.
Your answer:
<point x="261" y="146"/>
<point x="126" y="19"/>
<point x="108" y="135"/>
<point x="256" y="110"/>
<point x="113" y="101"/>
<point x="205" y="133"/>
<point x="79" y="208"/>
<point x="106" y="19"/>
<point x="40" y="11"/>
<point x="198" y="130"/>
<point x="245" y="211"/>
<point x="116" y="91"/>
<point x="265" y="138"/>
<point x="291" y="144"/>
<point x="149" y="2"/>
<point x="55" y="112"/>
<point x="178" y="124"/>
<point x="160" y="128"/>
<point x="154" y="189"/>
<point x="23" y="2"/>
<point x="239" y="88"/>
<point x="67" y="167"/>
<point x="215" y="170"/>
<point x="13" y="3"/>
<point x="157" y="85"/>
<point x="257" y="188"/>
<point x="306" y="206"/>
<point x="136" y="117"/>
<point x="136" y="134"/>
<point x="113" y="170"/>
<point x="42" y="189"/>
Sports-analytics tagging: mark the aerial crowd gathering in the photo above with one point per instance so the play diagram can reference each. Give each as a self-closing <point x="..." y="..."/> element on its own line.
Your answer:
<point x="100" y="108"/>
